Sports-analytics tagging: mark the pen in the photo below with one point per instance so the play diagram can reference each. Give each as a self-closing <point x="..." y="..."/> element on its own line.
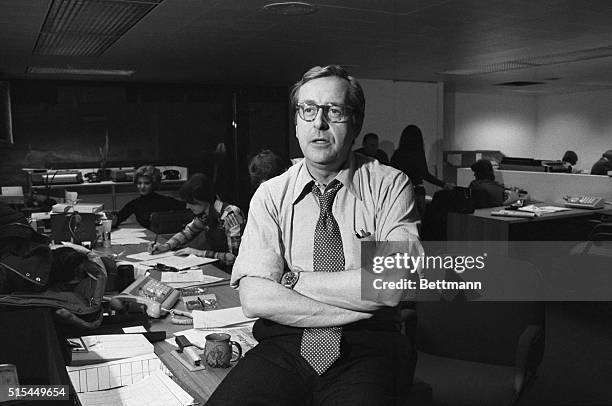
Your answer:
<point x="201" y="302"/>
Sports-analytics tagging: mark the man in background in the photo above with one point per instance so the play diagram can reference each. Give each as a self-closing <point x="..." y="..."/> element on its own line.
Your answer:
<point x="370" y="148"/>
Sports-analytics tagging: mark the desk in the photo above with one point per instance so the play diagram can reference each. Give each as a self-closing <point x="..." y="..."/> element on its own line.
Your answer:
<point x="482" y="226"/>
<point x="199" y="384"/>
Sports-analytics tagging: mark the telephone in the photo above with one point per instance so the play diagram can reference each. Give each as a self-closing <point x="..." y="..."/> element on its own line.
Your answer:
<point x="171" y="174"/>
<point x="155" y="295"/>
<point x="584" y="202"/>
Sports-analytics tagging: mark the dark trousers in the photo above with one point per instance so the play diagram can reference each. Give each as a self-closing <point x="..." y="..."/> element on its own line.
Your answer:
<point x="375" y="367"/>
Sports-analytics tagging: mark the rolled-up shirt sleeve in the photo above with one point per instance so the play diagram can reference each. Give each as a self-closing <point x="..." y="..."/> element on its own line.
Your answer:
<point x="261" y="250"/>
<point x="398" y="220"/>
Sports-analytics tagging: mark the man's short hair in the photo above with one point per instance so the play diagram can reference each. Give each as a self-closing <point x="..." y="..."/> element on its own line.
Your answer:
<point x="608" y="154"/>
<point x="266" y="165"/>
<point x="199" y="187"/>
<point x="148" y="171"/>
<point x="369" y="136"/>
<point x="354" y="99"/>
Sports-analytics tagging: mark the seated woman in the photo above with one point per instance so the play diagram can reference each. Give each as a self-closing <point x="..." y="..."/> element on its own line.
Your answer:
<point x="486" y="192"/>
<point x="147" y="179"/>
<point x="218" y="225"/>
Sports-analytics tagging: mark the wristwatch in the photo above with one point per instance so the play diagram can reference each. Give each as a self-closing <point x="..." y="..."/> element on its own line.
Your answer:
<point x="289" y="279"/>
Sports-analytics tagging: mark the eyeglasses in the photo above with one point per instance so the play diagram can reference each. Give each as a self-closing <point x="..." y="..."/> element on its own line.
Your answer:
<point x="333" y="113"/>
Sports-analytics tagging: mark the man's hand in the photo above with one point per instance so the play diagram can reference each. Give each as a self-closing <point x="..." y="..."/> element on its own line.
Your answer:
<point x="189" y="251"/>
<point x="155" y="248"/>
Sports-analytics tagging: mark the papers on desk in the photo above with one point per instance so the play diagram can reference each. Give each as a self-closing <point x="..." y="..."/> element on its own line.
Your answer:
<point x="242" y="335"/>
<point x="113" y="374"/>
<point x="128" y="241"/>
<point x="146" y="256"/>
<point x="191" y="276"/>
<point x="128" y="233"/>
<point x="179" y="262"/>
<point x="542" y="209"/>
<point x="155" y="389"/>
<point x="170" y="259"/>
<point x="215" y="319"/>
<point x="111" y="347"/>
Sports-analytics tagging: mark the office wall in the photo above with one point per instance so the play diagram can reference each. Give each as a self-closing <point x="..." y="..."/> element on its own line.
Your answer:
<point x="490" y="121"/>
<point x="62" y="124"/>
<point x="391" y="106"/>
<point x="580" y="121"/>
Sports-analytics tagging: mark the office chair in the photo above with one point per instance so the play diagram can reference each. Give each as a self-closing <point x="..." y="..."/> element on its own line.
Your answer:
<point x="587" y="267"/>
<point x="170" y="222"/>
<point x="478" y="353"/>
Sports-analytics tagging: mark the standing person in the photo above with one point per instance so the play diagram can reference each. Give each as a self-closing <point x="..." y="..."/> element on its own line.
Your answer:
<point x="147" y="179"/>
<point x="604" y="165"/>
<point x="370" y="148"/>
<point x="410" y="159"/>
<point x="298" y="270"/>
<point x="217" y="225"/>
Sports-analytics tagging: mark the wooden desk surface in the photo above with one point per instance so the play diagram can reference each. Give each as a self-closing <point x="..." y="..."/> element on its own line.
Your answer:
<point x="199" y="384"/>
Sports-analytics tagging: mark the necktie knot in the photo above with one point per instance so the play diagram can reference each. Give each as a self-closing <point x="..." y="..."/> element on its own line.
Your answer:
<point x="326" y="198"/>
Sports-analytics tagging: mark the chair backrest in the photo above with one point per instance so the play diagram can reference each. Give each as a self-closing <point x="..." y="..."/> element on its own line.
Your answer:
<point x="486" y="332"/>
<point x="601" y="232"/>
<point x="167" y="222"/>
<point x="480" y="331"/>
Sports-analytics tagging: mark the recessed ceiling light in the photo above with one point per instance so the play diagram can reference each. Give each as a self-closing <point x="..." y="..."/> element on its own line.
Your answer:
<point x="291" y="8"/>
<point x="76" y="71"/>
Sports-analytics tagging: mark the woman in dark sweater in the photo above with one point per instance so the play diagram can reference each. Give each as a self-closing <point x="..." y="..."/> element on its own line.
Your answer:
<point x="147" y="179"/>
<point x="410" y="159"/>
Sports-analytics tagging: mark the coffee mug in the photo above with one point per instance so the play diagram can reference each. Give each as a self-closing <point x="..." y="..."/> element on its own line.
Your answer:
<point x="218" y="350"/>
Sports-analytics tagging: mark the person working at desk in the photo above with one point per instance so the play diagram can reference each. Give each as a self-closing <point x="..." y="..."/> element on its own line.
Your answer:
<point x="604" y="165"/>
<point x="217" y="225"/>
<point x="147" y="179"/>
<point x="298" y="270"/>
<point x="486" y="192"/>
<point x="265" y="165"/>
<point x="570" y="158"/>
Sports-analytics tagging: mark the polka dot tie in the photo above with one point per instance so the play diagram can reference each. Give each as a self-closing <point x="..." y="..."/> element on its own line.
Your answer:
<point x="321" y="346"/>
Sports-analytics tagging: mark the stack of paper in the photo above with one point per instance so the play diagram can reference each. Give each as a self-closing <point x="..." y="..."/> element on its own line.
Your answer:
<point x="215" y="319"/>
<point x="156" y="389"/>
<point x="113" y="374"/>
<point x="542" y="209"/>
<point x="111" y="347"/>
<point x="128" y="236"/>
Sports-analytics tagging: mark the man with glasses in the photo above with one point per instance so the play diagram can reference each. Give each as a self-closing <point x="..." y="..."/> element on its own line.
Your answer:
<point x="299" y="266"/>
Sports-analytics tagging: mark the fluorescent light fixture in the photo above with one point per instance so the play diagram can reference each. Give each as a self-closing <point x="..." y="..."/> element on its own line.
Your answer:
<point x="291" y="8"/>
<point x="44" y="70"/>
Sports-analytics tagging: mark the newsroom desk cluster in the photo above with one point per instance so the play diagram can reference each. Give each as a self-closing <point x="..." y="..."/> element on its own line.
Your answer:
<point x="43" y="340"/>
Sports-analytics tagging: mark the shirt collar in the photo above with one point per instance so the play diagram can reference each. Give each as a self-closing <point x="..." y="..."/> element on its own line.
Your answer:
<point x="347" y="176"/>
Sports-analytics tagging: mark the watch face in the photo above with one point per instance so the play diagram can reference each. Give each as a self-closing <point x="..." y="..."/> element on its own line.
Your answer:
<point x="290" y="279"/>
